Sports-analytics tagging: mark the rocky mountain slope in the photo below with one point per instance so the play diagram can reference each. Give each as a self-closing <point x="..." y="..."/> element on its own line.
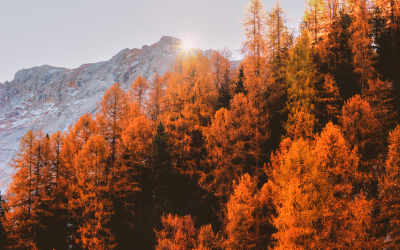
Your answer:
<point x="52" y="99"/>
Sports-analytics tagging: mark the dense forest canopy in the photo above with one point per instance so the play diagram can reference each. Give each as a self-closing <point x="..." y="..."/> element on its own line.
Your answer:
<point x="297" y="148"/>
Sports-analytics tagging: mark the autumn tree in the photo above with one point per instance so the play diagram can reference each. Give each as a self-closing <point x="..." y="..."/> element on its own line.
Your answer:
<point x="278" y="35"/>
<point x="131" y="180"/>
<point x="314" y="19"/>
<point x="112" y="119"/>
<point x="361" y="41"/>
<point x="161" y="178"/>
<point x="297" y="186"/>
<point x="138" y="93"/>
<point x="156" y="95"/>
<point x="221" y="70"/>
<point x="342" y="224"/>
<point x="26" y="198"/>
<point x="92" y="206"/>
<point x="234" y="146"/>
<point x="279" y="39"/>
<point x="248" y="215"/>
<point x="300" y="80"/>
<point x="190" y="100"/>
<point x="329" y="100"/>
<point x="380" y="97"/>
<point x="254" y="24"/>
<point x="386" y="23"/>
<point x="389" y="188"/>
<point x="313" y="185"/>
<point x="179" y="233"/>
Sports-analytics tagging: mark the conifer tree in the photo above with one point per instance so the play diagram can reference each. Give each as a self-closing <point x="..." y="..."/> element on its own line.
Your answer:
<point x="339" y="226"/>
<point x="156" y="95"/>
<point x="380" y="97"/>
<point x="92" y="206"/>
<point x="359" y="126"/>
<point x="138" y="94"/>
<point x="314" y="19"/>
<point x="300" y="80"/>
<point x="299" y="190"/>
<point x="389" y="189"/>
<point x="254" y="48"/>
<point x="24" y="217"/>
<point x="177" y="233"/>
<point x="191" y="97"/>
<point x="3" y="236"/>
<point x="241" y="219"/>
<point x="361" y="41"/>
<point x="161" y="178"/>
<point x="239" y="87"/>
<point x="221" y="70"/>
<point x="233" y="146"/>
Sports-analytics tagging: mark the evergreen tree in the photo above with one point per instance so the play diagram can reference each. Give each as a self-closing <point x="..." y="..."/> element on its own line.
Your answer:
<point x="3" y="236"/>
<point x="239" y="87"/>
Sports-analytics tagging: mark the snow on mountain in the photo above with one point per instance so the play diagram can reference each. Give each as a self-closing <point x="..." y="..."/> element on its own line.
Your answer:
<point x="52" y="99"/>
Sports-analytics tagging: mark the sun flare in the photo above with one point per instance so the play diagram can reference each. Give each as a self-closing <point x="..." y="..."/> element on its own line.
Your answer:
<point x="187" y="45"/>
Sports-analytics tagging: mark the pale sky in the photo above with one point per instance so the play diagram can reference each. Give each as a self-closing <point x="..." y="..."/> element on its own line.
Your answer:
<point x="68" y="33"/>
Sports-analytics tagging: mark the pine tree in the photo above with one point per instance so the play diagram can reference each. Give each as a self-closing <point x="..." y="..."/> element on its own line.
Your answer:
<point x="239" y="87"/>
<point x="161" y="177"/>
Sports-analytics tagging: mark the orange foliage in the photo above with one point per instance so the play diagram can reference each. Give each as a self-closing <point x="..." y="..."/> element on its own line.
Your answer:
<point x="138" y="93"/>
<point x="233" y="145"/>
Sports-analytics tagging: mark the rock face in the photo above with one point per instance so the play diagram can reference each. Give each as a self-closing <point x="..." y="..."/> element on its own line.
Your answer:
<point x="52" y="99"/>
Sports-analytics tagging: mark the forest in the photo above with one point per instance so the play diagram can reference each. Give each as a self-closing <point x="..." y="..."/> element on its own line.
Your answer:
<point x="296" y="148"/>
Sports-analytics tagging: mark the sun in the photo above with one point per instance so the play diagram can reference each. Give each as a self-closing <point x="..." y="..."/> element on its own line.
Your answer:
<point x="187" y="45"/>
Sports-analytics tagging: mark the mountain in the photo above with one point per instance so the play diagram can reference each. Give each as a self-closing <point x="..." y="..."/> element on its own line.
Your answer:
<point x="52" y="99"/>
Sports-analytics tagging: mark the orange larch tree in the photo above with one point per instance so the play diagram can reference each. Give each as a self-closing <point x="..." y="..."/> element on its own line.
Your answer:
<point x="361" y="40"/>
<point x="389" y="189"/>
<point x="233" y="146"/>
<point x="20" y="223"/>
<point x="189" y="105"/>
<point x="254" y="48"/>
<point x="154" y="107"/>
<point x="138" y="94"/>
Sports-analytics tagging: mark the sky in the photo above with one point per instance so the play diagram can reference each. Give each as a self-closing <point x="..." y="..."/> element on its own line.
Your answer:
<point x="69" y="33"/>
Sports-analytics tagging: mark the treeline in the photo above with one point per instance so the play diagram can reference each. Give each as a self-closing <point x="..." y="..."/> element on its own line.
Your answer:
<point x="297" y="148"/>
